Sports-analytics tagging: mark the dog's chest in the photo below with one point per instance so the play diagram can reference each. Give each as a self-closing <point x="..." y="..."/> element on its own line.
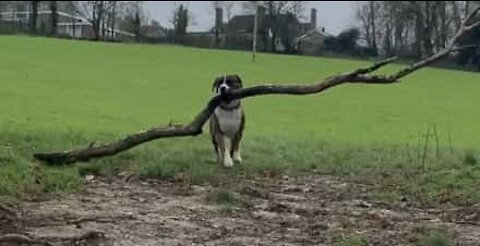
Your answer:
<point x="229" y="120"/>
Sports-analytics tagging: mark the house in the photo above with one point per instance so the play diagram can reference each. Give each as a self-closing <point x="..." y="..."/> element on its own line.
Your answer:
<point x="237" y="33"/>
<point x="68" y="25"/>
<point x="153" y="32"/>
<point x="311" y="43"/>
<point x="244" y="24"/>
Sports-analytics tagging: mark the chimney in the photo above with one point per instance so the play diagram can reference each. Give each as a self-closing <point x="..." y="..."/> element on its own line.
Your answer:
<point x="218" y="18"/>
<point x="313" y="18"/>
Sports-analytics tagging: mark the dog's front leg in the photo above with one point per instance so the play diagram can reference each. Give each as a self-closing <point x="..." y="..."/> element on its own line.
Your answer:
<point x="236" y="149"/>
<point x="227" y="146"/>
<point x="236" y="155"/>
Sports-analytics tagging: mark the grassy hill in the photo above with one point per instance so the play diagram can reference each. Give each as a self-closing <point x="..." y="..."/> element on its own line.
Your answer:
<point x="58" y="94"/>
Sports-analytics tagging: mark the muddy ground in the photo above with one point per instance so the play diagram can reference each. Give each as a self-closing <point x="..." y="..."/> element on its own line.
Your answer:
<point x="305" y="210"/>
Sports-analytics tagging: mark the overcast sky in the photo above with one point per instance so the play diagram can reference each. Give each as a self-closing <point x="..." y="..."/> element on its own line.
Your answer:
<point x="334" y="16"/>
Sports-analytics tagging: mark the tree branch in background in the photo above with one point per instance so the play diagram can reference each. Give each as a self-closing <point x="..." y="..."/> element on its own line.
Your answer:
<point x="362" y="75"/>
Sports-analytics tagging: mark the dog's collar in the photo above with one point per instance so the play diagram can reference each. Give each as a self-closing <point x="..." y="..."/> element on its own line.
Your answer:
<point x="236" y="106"/>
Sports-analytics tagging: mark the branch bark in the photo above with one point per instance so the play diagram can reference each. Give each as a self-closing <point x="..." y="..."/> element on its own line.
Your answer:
<point x="362" y="75"/>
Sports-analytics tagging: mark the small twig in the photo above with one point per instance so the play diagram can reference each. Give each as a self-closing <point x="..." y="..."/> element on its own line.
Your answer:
<point x="8" y="210"/>
<point x="419" y="146"/>
<point x="470" y="18"/>
<point x="464" y="47"/>
<point x="100" y="219"/>
<point x="466" y="223"/>
<point x="407" y="148"/>
<point x="17" y="239"/>
<point x="425" y="148"/>
<point x="436" y="140"/>
<point x="89" y="235"/>
<point x="450" y="138"/>
<point x="86" y="236"/>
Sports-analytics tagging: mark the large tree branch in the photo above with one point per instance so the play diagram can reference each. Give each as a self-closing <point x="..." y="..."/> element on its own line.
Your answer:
<point x="362" y="75"/>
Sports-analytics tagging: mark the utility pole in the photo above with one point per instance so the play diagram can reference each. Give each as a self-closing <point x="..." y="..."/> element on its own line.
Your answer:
<point x="255" y="32"/>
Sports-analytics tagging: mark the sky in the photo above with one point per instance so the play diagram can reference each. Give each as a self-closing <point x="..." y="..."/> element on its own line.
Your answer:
<point x="334" y="16"/>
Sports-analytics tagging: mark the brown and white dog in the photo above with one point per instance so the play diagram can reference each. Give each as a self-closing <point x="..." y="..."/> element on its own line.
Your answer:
<point x="227" y="122"/>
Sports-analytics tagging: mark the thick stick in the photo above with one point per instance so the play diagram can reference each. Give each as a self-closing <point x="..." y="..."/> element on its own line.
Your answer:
<point x="194" y="128"/>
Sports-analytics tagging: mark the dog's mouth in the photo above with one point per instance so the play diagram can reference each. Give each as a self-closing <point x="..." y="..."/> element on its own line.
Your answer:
<point x="223" y="90"/>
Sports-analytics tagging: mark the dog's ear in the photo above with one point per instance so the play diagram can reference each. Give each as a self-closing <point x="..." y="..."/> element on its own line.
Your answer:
<point x="238" y="79"/>
<point x="216" y="82"/>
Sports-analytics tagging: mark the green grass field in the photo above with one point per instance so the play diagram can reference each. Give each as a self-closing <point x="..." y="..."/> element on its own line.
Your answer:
<point x="59" y="94"/>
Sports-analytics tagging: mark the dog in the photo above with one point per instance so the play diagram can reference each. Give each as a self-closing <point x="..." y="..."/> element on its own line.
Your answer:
<point x="227" y="122"/>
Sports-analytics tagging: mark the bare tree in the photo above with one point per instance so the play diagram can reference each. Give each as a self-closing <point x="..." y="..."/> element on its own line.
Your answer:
<point x="280" y="22"/>
<point x="180" y="21"/>
<point x="228" y="6"/>
<point x="131" y="17"/>
<point x="93" y="11"/>
<point x="362" y="75"/>
<point x="361" y="14"/>
<point x="419" y="28"/>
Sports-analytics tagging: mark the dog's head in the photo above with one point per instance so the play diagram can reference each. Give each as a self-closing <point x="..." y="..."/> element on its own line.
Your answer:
<point x="222" y="84"/>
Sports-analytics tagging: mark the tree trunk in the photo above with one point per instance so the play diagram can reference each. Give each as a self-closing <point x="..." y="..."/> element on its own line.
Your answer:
<point x="367" y="34"/>
<point x="98" y="15"/>
<point x="96" y="21"/>
<point x="374" y="31"/>
<point x="467" y="6"/>
<point x="387" y="40"/>
<point x="217" y="37"/>
<point x="73" y="26"/>
<point x="104" y="20"/>
<point x="104" y="28"/>
<point x="1" y="10"/>
<point x="397" y="35"/>
<point x="428" y="28"/>
<point x="457" y="16"/>
<point x="443" y="24"/>
<point x="33" y="20"/>
<point x="112" y="27"/>
<point x="138" y="23"/>
<point x="419" y="30"/>
<point x="273" y="42"/>
<point x="53" y="14"/>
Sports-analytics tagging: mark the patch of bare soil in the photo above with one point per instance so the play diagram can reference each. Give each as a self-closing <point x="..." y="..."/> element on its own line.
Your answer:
<point x="305" y="210"/>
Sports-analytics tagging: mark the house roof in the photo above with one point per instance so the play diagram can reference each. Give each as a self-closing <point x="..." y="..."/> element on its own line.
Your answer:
<point x="11" y="14"/>
<point x="312" y="34"/>
<point x="244" y="23"/>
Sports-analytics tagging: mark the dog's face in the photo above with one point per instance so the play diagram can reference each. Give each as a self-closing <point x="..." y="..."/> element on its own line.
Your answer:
<point x="223" y="84"/>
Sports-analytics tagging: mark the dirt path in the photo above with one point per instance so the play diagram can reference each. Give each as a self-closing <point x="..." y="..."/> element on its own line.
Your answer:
<point x="308" y="210"/>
